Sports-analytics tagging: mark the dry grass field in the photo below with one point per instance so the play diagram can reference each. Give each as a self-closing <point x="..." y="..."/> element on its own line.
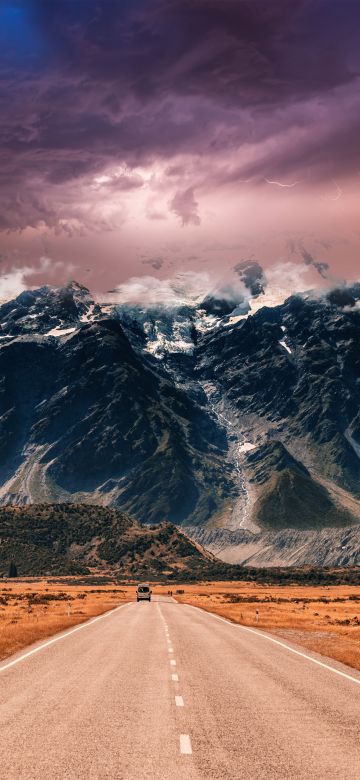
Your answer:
<point x="324" y="619"/>
<point x="32" y="609"/>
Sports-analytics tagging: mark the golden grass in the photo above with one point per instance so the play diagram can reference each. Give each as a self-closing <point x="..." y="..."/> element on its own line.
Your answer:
<point x="34" y="609"/>
<point x="310" y="616"/>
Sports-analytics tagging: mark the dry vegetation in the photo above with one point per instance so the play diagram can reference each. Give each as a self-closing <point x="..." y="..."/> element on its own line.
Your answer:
<point x="32" y="609"/>
<point x="322" y="618"/>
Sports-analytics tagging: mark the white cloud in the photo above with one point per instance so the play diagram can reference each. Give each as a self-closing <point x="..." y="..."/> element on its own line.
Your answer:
<point x="148" y="292"/>
<point x="289" y="277"/>
<point x="16" y="280"/>
<point x="13" y="283"/>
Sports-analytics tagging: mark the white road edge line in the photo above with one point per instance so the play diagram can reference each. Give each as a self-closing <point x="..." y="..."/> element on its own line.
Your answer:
<point x="62" y="636"/>
<point x="277" y="642"/>
<point x="179" y="701"/>
<point x="185" y="745"/>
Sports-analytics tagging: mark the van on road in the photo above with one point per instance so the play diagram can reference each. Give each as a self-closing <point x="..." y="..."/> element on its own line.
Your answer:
<point x="143" y="593"/>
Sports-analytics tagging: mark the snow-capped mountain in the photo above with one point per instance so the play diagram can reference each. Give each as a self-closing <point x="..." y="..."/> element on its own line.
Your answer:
<point x="173" y="326"/>
<point x="207" y="412"/>
<point x="48" y="311"/>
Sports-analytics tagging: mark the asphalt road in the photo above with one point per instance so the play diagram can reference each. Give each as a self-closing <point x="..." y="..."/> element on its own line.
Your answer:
<point x="163" y="690"/>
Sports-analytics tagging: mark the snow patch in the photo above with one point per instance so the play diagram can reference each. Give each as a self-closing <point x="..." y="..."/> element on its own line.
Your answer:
<point x="354" y="444"/>
<point x="247" y="446"/>
<point x="88" y="317"/>
<point x="284" y="344"/>
<point x="60" y="331"/>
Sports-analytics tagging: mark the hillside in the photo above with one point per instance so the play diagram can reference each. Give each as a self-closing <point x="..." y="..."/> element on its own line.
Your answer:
<point x="288" y="496"/>
<point x="86" y="418"/>
<point x="287" y="384"/>
<point x="334" y="547"/>
<point x="78" y="539"/>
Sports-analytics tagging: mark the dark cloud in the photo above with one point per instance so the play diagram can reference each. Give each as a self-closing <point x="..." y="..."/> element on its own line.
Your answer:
<point x="155" y="262"/>
<point x="243" y="50"/>
<point x="296" y="247"/>
<point x="321" y="267"/>
<point x="185" y="207"/>
<point x="86" y="85"/>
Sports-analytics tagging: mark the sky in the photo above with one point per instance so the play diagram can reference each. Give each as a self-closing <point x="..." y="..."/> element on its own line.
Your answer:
<point x="156" y="138"/>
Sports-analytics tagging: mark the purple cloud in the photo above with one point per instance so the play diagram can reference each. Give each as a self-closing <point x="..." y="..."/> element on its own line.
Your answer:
<point x="185" y="207"/>
<point x="90" y="86"/>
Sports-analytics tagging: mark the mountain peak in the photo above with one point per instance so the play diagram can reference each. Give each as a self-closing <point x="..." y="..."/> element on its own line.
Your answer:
<point x="48" y="311"/>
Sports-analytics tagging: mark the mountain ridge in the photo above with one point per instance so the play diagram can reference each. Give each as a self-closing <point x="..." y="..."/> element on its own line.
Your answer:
<point x="248" y="421"/>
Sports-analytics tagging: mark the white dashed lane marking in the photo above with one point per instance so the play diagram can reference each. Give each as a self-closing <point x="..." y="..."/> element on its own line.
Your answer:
<point x="185" y="744"/>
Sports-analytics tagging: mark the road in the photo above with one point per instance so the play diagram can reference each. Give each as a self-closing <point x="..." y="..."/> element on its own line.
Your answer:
<point x="164" y="690"/>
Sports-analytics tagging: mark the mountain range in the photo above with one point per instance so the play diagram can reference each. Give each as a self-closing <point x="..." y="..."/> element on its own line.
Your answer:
<point x="221" y="413"/>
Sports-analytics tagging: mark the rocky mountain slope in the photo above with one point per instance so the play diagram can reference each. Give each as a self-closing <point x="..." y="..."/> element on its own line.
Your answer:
<point x="201" y="412"/>
<point x="288" y="547"/>
<point x="79" y="539"/>
<point x="86" y="417"/>
<point x="289" y="381"/>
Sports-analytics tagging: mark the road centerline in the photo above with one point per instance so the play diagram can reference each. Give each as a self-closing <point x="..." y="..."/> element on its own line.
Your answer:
<point x="185" y="745"/>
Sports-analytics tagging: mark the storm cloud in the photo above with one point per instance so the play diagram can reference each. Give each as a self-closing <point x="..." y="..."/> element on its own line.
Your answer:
<point x="105" y="103"/>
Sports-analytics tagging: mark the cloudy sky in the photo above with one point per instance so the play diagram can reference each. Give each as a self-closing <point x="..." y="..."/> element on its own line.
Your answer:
<point x="152" y="137"/>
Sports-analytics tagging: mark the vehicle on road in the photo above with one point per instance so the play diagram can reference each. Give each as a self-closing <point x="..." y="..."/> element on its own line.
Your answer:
<point x="143" y="593"/>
